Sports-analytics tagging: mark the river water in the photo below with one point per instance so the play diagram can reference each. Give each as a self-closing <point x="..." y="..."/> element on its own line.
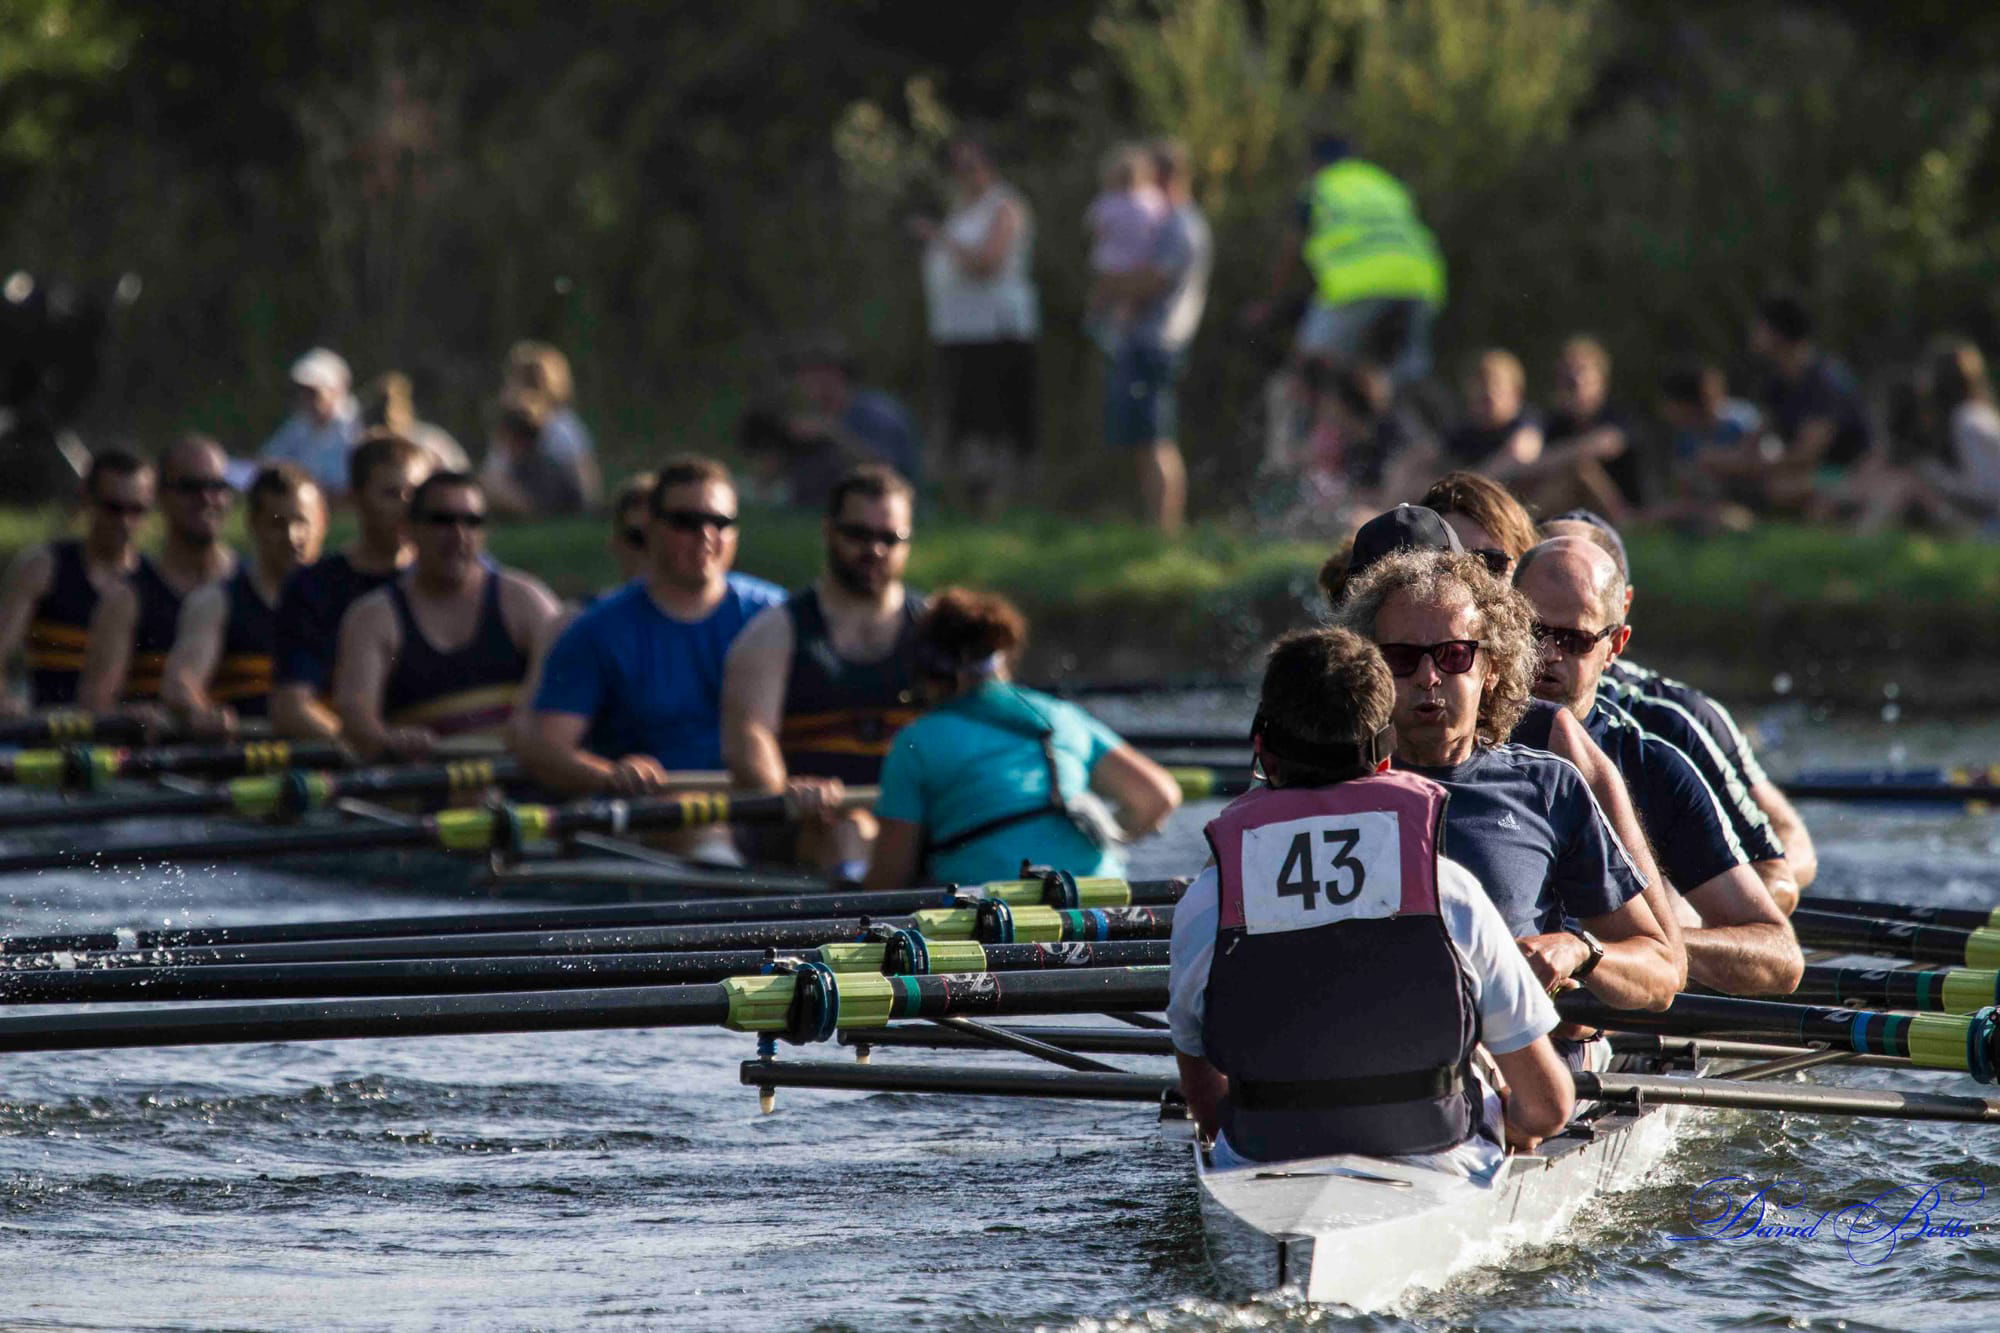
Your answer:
<point x="625" y="1179"/>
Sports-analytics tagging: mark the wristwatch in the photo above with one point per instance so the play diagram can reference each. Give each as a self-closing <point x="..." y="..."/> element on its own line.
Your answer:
<point x="1590" y="942"/>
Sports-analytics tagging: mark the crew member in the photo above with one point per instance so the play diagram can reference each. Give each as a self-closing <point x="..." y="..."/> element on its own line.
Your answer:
<point x="1736" y="937"/>
<point x="819" y="686"/>
<point x="51" y="590"/>
<point x="221" y="664"/>
<point x="135" y="621"/>
<point x="442" y="649"/>
<point x="1332" y="969"/>
<point x="995" y="774"/>
<point x="628" y="526"/>
<point x="382" y="473"/>
<point x="1523" y="821"/>
<point x="1773" y="832"/>
<point x="633" y="688"/>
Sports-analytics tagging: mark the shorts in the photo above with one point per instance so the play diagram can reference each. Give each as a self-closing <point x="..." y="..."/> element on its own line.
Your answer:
<point x="1140" y="404"/>
<point x="990" y="391"/>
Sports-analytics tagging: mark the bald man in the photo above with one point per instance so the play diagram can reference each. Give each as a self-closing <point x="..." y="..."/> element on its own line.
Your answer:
<point x="134" y="624"/>
<point x="1736" y="936"/>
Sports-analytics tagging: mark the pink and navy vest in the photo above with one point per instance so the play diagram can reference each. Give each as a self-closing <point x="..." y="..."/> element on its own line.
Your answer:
<point x="1336" y="1003"/>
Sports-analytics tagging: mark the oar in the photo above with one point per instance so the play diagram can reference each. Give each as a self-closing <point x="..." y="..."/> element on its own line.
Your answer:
<point x="1200" y="782"/>
<point x="1958" y="990"/>
<point x="288" y="794"/>
<point x="1729" y="1094"/>
<point x="64" y="725"/>
<point x="1898" y="939"/>
<point x="444" y="976"/>
<point x="992" y="922"/>
<point x="1080" y="689"/>
<point x="808" y="1005"/>
<point x="1968" y="1044"/>
<point x="501" y="828"/>
<point x="1962" y="918"/>
<point x="91" y="767"/>
<point x="1048" y="891"/>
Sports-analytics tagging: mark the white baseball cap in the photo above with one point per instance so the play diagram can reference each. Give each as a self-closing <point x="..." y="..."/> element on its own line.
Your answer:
<point x="321" y="369"/>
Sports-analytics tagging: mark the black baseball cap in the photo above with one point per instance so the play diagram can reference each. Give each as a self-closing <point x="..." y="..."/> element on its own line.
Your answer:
<point x="1404" y="528"/>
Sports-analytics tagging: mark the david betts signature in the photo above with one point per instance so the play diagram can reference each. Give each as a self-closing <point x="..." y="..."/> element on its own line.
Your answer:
<point x="1739" y="1210"/>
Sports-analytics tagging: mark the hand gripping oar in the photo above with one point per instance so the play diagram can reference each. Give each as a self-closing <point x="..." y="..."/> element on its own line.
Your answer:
<point x="93" y="767"/>
<point x="503" y="829"/>
<point x="1898" y="939"/>
<point x="1048" y="889"/>
<point x="280" y="795"/>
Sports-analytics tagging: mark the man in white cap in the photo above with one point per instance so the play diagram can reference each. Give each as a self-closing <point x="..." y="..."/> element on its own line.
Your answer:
<point x="324" y="424"/>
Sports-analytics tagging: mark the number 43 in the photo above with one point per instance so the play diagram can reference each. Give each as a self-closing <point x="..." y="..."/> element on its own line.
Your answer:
<point x="1295" y="877"/>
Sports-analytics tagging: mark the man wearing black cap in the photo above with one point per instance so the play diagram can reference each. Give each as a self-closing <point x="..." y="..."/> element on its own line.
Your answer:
<point x="1407" y="527"/>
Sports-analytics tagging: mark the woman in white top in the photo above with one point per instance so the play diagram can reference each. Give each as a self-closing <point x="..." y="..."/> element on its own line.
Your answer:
<point x="1954" y="482"/>
<point x="984" y="318"/>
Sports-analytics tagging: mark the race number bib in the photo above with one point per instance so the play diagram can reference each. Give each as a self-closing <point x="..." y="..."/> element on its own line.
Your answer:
<point x="1324" y="868"/>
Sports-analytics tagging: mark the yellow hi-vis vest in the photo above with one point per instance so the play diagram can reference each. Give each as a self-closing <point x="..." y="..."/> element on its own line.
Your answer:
<point x="1364" y="239"/>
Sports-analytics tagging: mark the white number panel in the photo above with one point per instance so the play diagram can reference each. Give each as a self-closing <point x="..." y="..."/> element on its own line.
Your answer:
<point x="1325" y="868"/>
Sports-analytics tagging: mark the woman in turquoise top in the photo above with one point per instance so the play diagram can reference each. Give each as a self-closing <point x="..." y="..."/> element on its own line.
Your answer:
<point x="996" y="774"/>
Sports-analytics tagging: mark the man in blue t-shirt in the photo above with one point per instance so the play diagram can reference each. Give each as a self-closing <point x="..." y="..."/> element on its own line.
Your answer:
<point x="1737" y="938"/>
<point x="632" y="690"/>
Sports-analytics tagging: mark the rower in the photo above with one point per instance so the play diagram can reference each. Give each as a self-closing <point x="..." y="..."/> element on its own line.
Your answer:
<point x="51" y="590"/>
<point x="220" y="667"/>
<point x="1457" y="643"/>
<point x="1485" y="517"/>
<point x="995" y="775"/>
<point x="631" y="690"/>
<point x="135" y="621"/>
<point x="819" y="686"/>
<point x="442" y="649"/>
<point x="628" y="525"/>
<point x="1737" y="938"/>
<point x="382" y="473"/>
<point x="1332" y="969"/>
<point x="1780" y="845"/>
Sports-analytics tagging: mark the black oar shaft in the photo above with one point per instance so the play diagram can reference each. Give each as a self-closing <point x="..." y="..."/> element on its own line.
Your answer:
<point x="1898" y="939"/>
<point x="1722" y="1093"/>
<point x="1957" y="990"/>
<point x="68" y="725"/>
<point x="1961" y="918"/>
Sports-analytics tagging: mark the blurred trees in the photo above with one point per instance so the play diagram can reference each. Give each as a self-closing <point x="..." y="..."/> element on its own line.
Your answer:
<point x="668" y="191"/>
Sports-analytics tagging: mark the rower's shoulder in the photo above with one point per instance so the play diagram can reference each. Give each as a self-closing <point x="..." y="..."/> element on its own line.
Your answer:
<point x="754" y="594"/>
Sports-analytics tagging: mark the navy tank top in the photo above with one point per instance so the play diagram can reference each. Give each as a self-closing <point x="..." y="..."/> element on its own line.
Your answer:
<point x="61" y="628"/>
<point x="153" y="633"/>
<point x="249" y="644"/>
<point x="839" y="715"/>
<point x="466" y="690"/>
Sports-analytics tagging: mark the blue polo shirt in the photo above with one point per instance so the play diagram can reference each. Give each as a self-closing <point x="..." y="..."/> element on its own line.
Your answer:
<point x="1681" y="815"/>
<point x="1525" y="824"/>
<point x="1676" y="726"/>
<point x="650" y="684"/>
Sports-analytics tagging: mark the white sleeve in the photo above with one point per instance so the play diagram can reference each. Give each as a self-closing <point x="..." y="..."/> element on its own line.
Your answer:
<point x="1513" y="1009"/>
<point x="1196" y="917"/>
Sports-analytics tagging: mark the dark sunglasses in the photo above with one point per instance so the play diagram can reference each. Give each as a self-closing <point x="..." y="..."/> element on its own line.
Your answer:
<point x="1453" y="657"/>
<point x="695" y="520"/>
<point x="198" y="485"/>
<point x="1574" y="642"/>
<point x="634" y="537"/>
<point x="123" y="508"/>
<point x="1496" y="559"/>
<point x="452" y="518"/>
<point x="863" y="535"/>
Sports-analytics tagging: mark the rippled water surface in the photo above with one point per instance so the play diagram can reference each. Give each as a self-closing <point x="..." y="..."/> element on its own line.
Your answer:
<point x="619" y="1179"/>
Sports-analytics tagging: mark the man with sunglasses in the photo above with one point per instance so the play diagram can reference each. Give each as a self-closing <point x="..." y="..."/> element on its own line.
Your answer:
<point x="1458" y="646"/>
<point x="632" y="690"/>
<point x="51" y="591"/>
<point x="442" y="650"/>
<point x="134" y="625"/>
<point x="1736" y="937"/>
<point x="818" y="687"/>
<point x="382" y="473"/>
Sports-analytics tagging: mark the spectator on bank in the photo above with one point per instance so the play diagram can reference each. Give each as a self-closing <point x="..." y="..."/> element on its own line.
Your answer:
<point x="543" y="370"/>
<point x="1166" y="294"/>
<point x="388" y="402"/>
<point x="1500" y="434"/>
<point x="1123" y="223"/>
<point x="628" y="525"/>
<point x="1948" y="475"/>
<point x="985" y="318"/>
<point x="324" y="424"/>
<point x="1361" y="443"/>
<point x="521" y="478"/>
<point x="1589" y="456"/>
<point x="1703" y="420"/>
<point x="827" y="425"/>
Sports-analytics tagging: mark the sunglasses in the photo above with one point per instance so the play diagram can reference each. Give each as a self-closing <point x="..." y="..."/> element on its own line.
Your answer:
<point x="1453" y="657"/>
<point x="452" y="518"/>
<point x="1496" y="559"/>
<point x="198" y="486"/>
<point x="696" y="520"/>
<point x="634" y="537"/>
<point x="863" y="535"/>
<point x="1574" y="642"/>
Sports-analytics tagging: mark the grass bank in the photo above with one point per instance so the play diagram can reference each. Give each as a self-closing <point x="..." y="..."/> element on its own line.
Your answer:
<point x="1844" y="618"/>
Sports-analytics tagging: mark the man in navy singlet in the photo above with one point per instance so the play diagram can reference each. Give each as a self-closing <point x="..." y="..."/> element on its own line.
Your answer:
<point x="1523" y="821"/>
<point x="1773" y="833"/>
<point x="221" y="664"/>
<point x="820" y="686"/>
<point x="51" y="590"/>
<point x="1331" y="969"/>
<point x="383" y="472"/>
<point x="632" y="690"/>
<point x="135" y="622"/>
<point x="442" y="649"/>
<point x="1736" y="937"/>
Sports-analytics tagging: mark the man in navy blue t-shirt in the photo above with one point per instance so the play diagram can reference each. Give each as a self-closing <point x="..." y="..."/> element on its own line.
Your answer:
<point x="1736" y="937"/>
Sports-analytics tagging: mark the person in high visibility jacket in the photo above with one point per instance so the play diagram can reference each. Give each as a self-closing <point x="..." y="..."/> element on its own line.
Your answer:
<point x="1378" y="275"/>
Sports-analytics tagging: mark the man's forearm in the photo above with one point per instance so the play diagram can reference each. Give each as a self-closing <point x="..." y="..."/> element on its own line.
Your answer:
<point x="1636" y="973"/>
<point x="1756" y="958"/>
